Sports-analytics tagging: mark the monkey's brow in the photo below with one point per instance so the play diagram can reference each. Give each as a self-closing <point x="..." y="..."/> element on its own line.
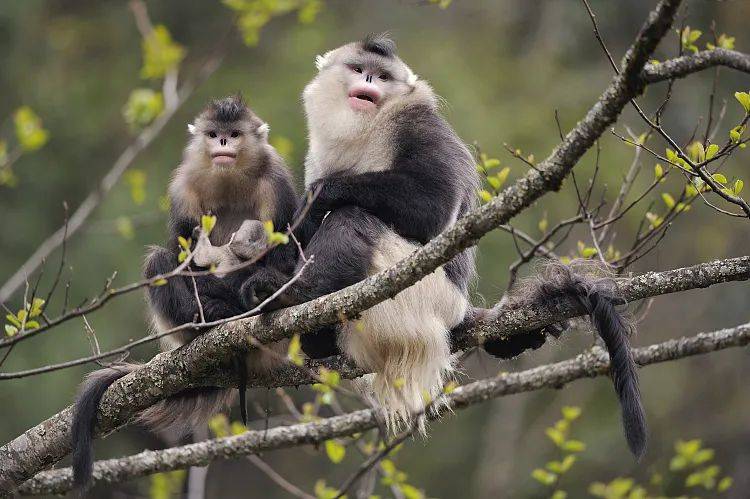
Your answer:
<point x="371" y="61"/>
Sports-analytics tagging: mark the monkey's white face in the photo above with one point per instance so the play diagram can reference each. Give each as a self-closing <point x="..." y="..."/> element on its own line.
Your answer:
<point x="225" y="146"/>
<point x="353" y="86"/>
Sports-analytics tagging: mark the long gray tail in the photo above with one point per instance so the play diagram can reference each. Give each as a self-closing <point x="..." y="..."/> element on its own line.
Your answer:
<point x="598" y="295"/>
<point x="182" y="412"/>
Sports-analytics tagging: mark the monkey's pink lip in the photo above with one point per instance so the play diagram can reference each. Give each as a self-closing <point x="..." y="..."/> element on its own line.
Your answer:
<point x="223" y="158"/>
<point x="364" y="97"/>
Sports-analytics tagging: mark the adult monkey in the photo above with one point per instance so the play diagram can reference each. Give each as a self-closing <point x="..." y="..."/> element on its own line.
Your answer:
<point x="389" y="173"/>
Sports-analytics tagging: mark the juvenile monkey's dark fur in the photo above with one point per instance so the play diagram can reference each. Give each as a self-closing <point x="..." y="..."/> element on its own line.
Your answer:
<point x="257" y="187"/>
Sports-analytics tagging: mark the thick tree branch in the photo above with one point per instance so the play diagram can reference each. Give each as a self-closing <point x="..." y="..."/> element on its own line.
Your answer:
<point x="194" y="365"/>
<point x="587" y="365"/>
<point x="688" y="64"/>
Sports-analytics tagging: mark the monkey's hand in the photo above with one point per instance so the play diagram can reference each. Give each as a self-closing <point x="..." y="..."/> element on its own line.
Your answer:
<point x="260" y="286"/>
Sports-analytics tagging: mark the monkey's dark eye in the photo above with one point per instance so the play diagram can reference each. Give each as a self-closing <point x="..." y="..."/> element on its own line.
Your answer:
<point x="384" y="77"/>
<point x="356" y="69"/>
<point x="235" y="134"/>
<point x="212" y="134"/>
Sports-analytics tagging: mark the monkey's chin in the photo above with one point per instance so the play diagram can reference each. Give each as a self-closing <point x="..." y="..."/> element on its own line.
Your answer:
<point x="362" y="105"/>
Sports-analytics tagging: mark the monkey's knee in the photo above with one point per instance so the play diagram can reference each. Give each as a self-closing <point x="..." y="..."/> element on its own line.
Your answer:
<point x="321" y="343"/>
<point x="515" y="345"/>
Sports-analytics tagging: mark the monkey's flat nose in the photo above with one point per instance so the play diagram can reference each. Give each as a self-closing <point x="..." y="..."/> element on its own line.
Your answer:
<point x="223" y="141"/>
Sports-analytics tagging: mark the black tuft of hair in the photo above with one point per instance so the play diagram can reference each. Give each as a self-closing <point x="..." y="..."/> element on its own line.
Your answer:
<point x="597" y="294"/>
<point x="228" y="110"/>
<point x="84" y="421"/>
<point x="380" y="44"/>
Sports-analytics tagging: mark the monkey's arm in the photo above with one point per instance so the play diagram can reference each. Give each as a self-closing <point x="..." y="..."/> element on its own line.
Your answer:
<point x="417" y="206"/>
<point x="176" y="301"/>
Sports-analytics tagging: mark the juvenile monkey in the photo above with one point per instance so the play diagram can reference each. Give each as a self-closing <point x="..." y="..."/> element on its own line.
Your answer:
<point x="228" y="170"/>
<point x="390" y="174"/>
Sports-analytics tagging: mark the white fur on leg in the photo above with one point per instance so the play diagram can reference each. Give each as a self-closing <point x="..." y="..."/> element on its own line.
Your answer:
<point x="405" y="340"/>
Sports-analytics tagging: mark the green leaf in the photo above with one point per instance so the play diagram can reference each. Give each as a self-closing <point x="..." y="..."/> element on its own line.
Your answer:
<point x="159" y="282"/>
<point x="411" y="492"/>
<point x="543" y="224"/>
<point x="543" y="476"/>
<point x="274" y="237"/>
<point x="555" y="435"/>
<point x="559" y="494"/>
<point x="294" y="351"/>
<point x="322" y="491"/>
<point x="142" y="108"/>
<point x="724" y="484"/>
<point x="494" y="182"/>
<point x="744" y="99"/>
<point x="31" y="324"/>
<point x="36" y="308"/>
<point x="703" y="456"/>
<point x="237" y="428"/>
<point x="502" y="175"/>
<point x="735" y="134"/>
<point x="13" y="320"/>
<point x="329" y="377"/>
<point x="124" y="226"/>
<point x="491" y="163"/>
<point x="208" y="222"/>
<point x="184" y="243"/>
<point x="696" y="153"/>
<point x="738" y="185"/>
<point x="10" y="330"/>
<point x="219" y="425"/>
<point x="160" y="53"/>
<point x="166" y="485"/>
<point x="335" y="451"/>
<point x="573" y="446"/>
<point x="182" y="256"/>
<point x="719" y="178"/>
<point x="598" y="489"/>
<point x="450" y="387"/>
<point x="29" y="132"/>
<point x="136" y="180"/>
<point x="620" y="486"/>
<point x="567" y="463"/>
<point x="485" y="195"/>
<point x="668" y="200"/>
<point x="678" y="463"/>
<point x="588" y="252"/>
<point x="309" y="11"/>
<point x="555" y="467"/>
<point x="658" y="171"/>
<point x="672" y="156"/>
<point x="712" y="150"/>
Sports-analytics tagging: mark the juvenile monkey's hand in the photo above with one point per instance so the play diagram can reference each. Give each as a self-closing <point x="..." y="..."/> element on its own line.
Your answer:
<point x="260" y="286"/>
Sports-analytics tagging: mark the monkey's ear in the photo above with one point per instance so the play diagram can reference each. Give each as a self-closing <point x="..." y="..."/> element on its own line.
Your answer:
<point x="191" y="128"/>
<point x="321" y="61"/>
<point x="411" y="78"/>
<point x="263" y="131"/>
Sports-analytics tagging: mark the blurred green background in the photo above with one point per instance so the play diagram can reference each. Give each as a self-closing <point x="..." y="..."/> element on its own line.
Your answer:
<point x="503" y="68"/>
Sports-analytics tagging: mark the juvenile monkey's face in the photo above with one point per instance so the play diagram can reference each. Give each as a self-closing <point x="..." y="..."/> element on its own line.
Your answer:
<point x="228" y="145"/>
